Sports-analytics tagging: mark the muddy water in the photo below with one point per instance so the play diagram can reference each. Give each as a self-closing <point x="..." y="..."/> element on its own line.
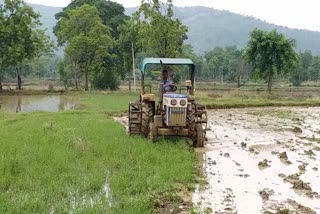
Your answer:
<point x="53" y="103"/>
<point x="246" y="167"/>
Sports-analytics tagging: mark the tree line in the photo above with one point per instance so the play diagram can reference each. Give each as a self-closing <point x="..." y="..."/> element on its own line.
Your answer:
<point x="268" y="56"/>
<point x="155" y="32"/>
<point x="21" y="41"/>
<point x="100" y="41"/>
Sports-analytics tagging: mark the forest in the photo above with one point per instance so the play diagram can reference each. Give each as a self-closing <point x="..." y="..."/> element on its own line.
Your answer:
<point x="98" y="54"/>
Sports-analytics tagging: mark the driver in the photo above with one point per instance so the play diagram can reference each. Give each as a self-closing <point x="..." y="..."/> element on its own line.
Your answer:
<point x="167" y="82"/>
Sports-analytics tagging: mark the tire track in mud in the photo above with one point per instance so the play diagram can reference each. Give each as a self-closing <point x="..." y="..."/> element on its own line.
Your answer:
<point x="285" y="141"/>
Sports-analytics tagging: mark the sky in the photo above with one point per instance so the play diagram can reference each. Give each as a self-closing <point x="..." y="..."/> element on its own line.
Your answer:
<point x="301" y="14"/>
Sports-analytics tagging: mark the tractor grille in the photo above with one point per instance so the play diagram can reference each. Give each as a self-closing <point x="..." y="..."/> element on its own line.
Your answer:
<point x="176" y="116"/>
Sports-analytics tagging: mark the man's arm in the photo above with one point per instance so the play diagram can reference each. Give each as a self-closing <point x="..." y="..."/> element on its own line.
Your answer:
<point x="167" y="84"/>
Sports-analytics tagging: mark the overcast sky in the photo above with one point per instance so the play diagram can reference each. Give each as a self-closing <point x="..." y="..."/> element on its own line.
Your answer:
<point x="302" y="14"/>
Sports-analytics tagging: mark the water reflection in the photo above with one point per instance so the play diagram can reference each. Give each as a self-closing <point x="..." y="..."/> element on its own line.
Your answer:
<point x="19" y="102"/>
<point x="54" y="103"/>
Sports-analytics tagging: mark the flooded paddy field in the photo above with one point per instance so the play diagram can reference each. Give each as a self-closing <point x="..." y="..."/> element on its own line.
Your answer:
<point x="261" y="160"/>
<point x="31" y="103"/>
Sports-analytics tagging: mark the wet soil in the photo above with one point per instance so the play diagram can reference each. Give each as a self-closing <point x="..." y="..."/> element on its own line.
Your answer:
<point x="261" y="160"/>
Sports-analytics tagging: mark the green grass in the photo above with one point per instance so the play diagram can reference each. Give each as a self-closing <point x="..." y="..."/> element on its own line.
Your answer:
<point x="105" y="102"/>
<point x="241" y="99"/>
<point x="61" y="161"/>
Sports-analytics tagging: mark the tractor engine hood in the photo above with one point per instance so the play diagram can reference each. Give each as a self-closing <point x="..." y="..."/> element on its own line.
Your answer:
<point x="177" y="96"/>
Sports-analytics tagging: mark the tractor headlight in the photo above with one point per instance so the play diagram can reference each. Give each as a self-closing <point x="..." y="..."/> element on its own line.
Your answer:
<point x="173" y="102"/>
<point x="183" y="102"/>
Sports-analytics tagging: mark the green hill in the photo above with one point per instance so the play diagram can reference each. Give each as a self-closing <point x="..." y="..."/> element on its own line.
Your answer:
<point x="47" y="17"/>
<point x="209" y="28"/>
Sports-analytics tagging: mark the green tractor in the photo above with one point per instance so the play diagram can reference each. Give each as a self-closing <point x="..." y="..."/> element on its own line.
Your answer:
<point x="174" y="114"/>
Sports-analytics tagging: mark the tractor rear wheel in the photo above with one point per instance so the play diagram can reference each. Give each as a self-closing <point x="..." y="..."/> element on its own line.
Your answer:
<point x="191" y="123"/>
<point x="134" y="118"/>
<point x="200" y="136"/>
<point x="147" y="118"/>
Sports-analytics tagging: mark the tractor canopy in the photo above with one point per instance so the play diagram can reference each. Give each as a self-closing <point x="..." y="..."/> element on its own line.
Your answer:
<point x="166" y="61"/>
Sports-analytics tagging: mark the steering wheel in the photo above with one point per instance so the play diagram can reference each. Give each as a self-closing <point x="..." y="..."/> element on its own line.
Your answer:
<point x="173" y="88"/>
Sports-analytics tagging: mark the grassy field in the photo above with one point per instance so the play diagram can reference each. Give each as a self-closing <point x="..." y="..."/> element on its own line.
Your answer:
<point x="83" y="162"/>
<point x="212" y="94"/>
<point x="105" y="102"/>
<point x="235" y="98"/>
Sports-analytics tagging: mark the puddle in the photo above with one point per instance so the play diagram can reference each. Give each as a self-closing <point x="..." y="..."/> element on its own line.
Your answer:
<point x="241" y="139"/>
<point x="85" y="201"/>
<point x="54" y="103"/>
<point x="108" y="194"/>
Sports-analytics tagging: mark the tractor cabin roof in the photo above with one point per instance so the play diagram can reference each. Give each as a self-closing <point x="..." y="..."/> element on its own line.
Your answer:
<point x="166" y="61"/>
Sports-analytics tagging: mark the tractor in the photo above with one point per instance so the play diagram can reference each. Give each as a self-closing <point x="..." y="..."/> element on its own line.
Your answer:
<point x="173" y="113"/>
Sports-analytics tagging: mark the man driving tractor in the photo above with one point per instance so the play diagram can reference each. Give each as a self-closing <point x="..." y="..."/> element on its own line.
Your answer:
<point x="167" y="82"/>
<point x="170" y="114"/>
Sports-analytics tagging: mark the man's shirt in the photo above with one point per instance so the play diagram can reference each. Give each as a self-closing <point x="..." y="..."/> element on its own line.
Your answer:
<point x="166" y="85"/>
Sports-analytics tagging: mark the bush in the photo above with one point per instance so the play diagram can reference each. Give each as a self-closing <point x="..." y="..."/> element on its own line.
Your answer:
<point x="295" y="80"/>
<point x="105" y="79"/>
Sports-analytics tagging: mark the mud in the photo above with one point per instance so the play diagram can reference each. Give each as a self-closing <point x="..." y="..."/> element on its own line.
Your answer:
<point x="271" y="164"/>
<point x="263" y="164"/>
<point x="265" y="194"/>
<point x="124" y="121"/>
<point x="298" y="208"/>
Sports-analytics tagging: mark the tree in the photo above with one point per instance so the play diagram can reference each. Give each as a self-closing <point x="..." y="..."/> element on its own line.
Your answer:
<point x="64" y="73"/>
<point x="160" y="34"/>
<point x="187" y="52"/>
<point x="128" y="41"/>
<point x="85" y="36"/>
<point x="2" y="44"/>
<point x="40" y="66"/>
<point x="270" y="53"/>
<point x="314" y="68"/>
<point x="22" y="40"/>
<point x="111" y="15"/>
<point x="215" y="60"/>
<point x="105" y="74"/>
<point x="236" y="64"/>
<point x="74" y="60"/>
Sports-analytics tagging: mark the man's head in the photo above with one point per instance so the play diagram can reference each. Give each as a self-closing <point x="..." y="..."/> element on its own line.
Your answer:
<point x="165" y="74"/>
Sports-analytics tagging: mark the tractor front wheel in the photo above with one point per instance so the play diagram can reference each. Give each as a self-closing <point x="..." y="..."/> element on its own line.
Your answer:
<point x="153" y="132"/>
